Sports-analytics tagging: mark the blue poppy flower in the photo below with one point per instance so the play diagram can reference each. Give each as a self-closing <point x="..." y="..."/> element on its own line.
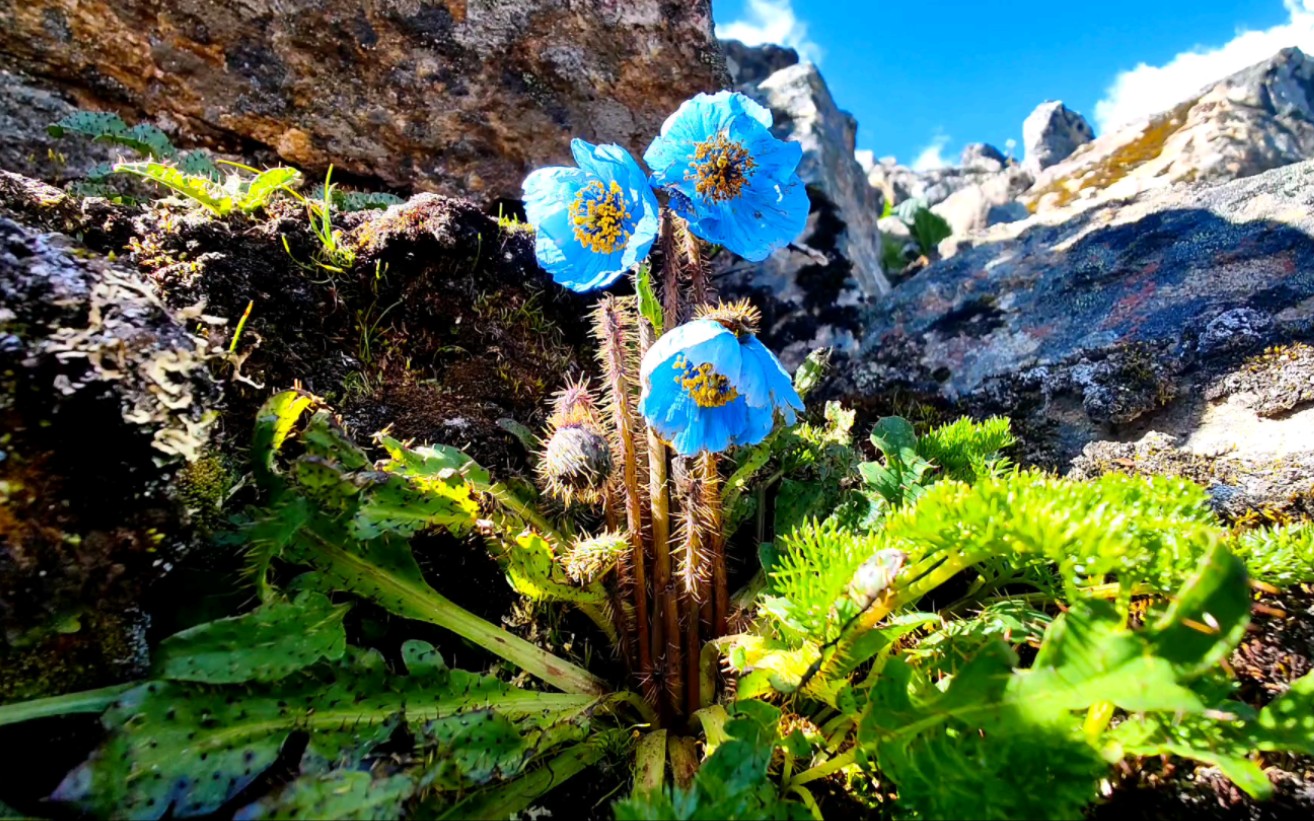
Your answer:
<point x="710" y="384"/>
<point x="728" y="176"/>
<point x="593" y="222"/>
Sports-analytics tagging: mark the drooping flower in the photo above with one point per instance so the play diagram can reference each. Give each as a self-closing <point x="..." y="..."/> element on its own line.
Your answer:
<point x="728" y="176"/>
<point x="593" y="222"/>
<point x="710" y="383"/>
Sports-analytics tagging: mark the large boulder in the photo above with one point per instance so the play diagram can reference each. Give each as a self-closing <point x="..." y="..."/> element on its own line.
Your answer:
<point x="1182" y="312"/>
<point x="989" y="202"/>
<point x="1250" y="122"/>
<point x="444" y="95"/>
<point x="1051" y="133"/>
<point x="106" y="401"/>
<point x="813" y="292"/>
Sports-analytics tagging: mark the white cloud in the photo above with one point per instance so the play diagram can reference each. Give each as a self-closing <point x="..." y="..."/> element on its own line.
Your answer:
<point x="932" y="156"/>
<point x="772" y="21"/>
<point x="1147" y="90"/>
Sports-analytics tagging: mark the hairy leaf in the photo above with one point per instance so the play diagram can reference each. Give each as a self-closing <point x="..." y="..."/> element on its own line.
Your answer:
<point x="267" y="644"/>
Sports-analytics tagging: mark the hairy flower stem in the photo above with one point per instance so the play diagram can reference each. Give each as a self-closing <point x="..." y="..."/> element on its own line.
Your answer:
<point x="671" y="271"/>
<point x="610" y="330"/>
<point x="710" y="488"/>
<point x="666" y="623"/>
<point x="700" y="291"/>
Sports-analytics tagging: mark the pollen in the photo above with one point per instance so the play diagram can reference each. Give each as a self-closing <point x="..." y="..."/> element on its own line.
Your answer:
<point x="720" y="168"/>
<point x="707" y="387"/>
<point x="600" y="216"/>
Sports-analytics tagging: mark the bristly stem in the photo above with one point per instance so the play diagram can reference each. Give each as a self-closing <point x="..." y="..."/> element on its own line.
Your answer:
<point x="700" y="291"/>
<point x="666" y="621"/>
<point x="671" y="271"/>
<point x="611" y="329"/>
<point x="710" y="487"/>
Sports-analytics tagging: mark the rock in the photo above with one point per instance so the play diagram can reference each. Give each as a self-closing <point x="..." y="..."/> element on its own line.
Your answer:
<point x="750" y="65"/>
<point x="982" y="157"/>
<point x="1257" y="119"/>
<point x="106" y="403"/>
<point x="986" y="203"/>
<point x="1051" y="133"/>
<point x="445" y="95"/>
<point x="1149" y="314"/>
<point x="25" y="147"/>
<point x="812" y="295"/>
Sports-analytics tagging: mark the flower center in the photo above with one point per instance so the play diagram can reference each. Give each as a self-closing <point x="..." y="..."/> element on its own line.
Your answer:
<point x="707" y="387"/>
<point x="599" y="214"/>
<point x="720" y="168"/>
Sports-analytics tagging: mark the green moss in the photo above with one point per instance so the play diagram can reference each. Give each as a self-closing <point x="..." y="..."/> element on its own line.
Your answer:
<point x="201" y="487"/>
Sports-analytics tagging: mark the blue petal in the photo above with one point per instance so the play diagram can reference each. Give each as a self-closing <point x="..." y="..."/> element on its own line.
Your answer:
<point x="774" y="382"/>
<point x="758" y="424"/>
<point x="710" y="429"/>
<point x="679" y="340"/>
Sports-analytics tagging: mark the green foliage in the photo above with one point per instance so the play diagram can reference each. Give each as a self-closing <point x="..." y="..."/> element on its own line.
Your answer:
<point x="1281" y="556"/>
<point x="346" y="518"/>
<point x="267" y="644"/>
<point x="999" y="742"/>
<point x="964" y="450"/>
<point x="237" y="193"/>
<point x="351" y="201"/>
<point x="146" y="140"/>
<point x="928" y="228"/>
<point x="342" y="794"/>
<point x="187" y="748"/>
<point x="731" y="783"/>
<point x="650" y="307"/>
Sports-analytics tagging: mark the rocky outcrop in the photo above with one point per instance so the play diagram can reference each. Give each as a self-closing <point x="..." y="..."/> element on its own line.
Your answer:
<point x="813" y="292"/>
<point x="1181" y="312"/>
<point x="1051" y="133"/>
<point x="1258" y="119"/>
<point x="750" y="65"/>
<point x="106" y="400"/>
<point x="989" y="202"/>
<point x="127" y="392"/>
<point x="443" y="95"/>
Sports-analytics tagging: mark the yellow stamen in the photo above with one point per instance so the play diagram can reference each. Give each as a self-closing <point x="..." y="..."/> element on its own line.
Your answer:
<point x="720" y="169"/>
<point x="599" y="215"/>
<point x="707" y="387"/>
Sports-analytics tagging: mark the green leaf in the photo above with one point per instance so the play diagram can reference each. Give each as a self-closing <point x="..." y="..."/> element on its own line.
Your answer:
<point x="267" y="644"/>
<point x="341" y="794"/>
<point x="266" y="183"/>
<point x="198" y="189"/>
<point x="650" y="308"/>
<point x="731" y="783"/>
<point x="929" y="229"/>
<point x="395" y="505"/>
<point x="534" y="572"/>
<point x="144" y="139"/>
<point x="188" y="748"/>
<point x="275" y="421"/>
<point x="1281" y="556"/>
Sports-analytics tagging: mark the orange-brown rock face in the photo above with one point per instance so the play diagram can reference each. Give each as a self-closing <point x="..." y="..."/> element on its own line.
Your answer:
<point x="455" y="96"/>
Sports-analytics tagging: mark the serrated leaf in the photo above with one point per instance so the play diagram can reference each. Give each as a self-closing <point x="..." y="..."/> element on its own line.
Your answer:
<point x="811" y="372"/>
<point x="395" y="505"/>
<point x="275" y="421"/>
<point x="265" y="185"/>
<point x="534" y="572"/>
<point x="198" y="189"/>
<point x="270" y="643"/>
<point x="144" y="139"/>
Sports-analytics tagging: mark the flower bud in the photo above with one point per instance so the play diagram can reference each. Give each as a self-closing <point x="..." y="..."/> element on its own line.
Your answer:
<point x="576" y="464"/>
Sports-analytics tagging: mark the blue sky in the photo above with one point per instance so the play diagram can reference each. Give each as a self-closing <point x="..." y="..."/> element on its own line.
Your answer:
<point x="925" y="78"/>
